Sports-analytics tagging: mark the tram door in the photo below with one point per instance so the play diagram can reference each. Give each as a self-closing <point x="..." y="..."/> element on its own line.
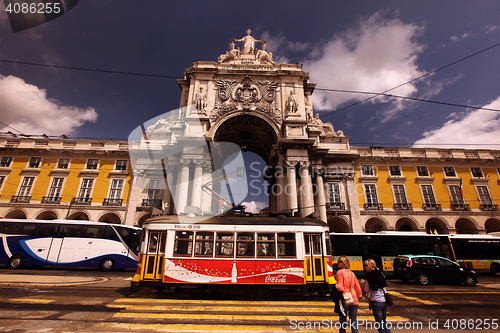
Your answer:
<point x="155" y="255"/>
<point x="314" y="258"/>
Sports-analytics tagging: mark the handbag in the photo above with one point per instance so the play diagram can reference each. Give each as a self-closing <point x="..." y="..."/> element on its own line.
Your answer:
<point x="347" y="297"/>
<point x="388" y="299"/>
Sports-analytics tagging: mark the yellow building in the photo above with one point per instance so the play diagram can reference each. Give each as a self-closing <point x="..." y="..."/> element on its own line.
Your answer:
<point x="405" y="189"/>
<point x="425" y="189"/>
<point x="57" y="178"/>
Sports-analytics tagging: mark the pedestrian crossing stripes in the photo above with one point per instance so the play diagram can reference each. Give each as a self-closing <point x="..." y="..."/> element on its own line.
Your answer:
<point x="174" y="315"/>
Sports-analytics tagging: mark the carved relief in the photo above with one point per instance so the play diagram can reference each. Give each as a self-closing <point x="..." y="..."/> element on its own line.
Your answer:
<point x="233" y="95"/>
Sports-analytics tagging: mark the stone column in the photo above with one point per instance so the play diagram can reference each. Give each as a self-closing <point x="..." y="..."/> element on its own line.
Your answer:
<point x="353" y="205"/>
<point x="320" y="195"/>
<point x="206" y="201"/>
<point x="170" y="195"/>
<point x="291" y="187"/>
<point x="182" y="187"/>
<point x="197" y="182"/>
<point x="306" y="190"/>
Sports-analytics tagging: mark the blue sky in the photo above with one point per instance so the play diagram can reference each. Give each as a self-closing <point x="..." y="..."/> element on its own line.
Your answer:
<point x="369" y="46"/>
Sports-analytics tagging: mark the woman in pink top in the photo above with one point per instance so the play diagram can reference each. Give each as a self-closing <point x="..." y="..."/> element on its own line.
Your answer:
<point x="347" y="282"/>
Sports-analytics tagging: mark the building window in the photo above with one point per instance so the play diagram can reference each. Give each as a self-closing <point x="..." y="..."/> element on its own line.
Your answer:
<point x="476" y="172"/>
<point x="115" y="193"/>
<point x="153" y="199"/>
<point x="63" y="163"/>
<point x="401" y="202"/>
<point x="92" y="164"/>
<point x="394" y="170"/>
<point x="429" y="198"/>
<point x="121" y="165"/>
<point x="26" y="186"/>
<point x="5" y="162"/>
<point x="367" y="170"/>
<point x="449" y="172"/>
<point x="56" y="187"/>
<point x="484" y="195"/>
<point x="333" y="192"/>
<point x="35" y="162"/>
<point x="2" y="179"/>
<point x="54" y="195"/>
<point x="486" y="203"/>
<point x="84" y="196"/>
<point x="457" y="200"/>
<point x="334" y="201"/>
<point x="371" y="197"/>
<point x="422" y="171"/>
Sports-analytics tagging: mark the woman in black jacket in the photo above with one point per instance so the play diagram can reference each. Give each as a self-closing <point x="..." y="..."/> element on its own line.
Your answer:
<point x="374" y="289"/>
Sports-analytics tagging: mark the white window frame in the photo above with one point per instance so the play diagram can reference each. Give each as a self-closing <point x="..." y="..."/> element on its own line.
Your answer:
<point x="116" y="188"/>
<point x="61" y="165"/>
<point x="56" y="187"/>
<point x="426" y="195"/>
<point x="366" y="168"/>
<point x="334" y="195"/>
<point x="395" y="168"/>
<point x="26" y="186"/>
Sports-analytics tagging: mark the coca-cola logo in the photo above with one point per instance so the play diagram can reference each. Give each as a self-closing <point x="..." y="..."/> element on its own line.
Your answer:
<point x="275" y="278"/>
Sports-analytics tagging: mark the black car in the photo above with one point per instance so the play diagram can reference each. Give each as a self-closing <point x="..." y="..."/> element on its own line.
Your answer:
<point x="427" y="269"/>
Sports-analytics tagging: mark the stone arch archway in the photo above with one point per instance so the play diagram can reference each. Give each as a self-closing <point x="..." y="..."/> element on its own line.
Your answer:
<point x="466" y="226"/>
<point x="376" y="224"/>
<point x="79" y="216"/>
<point x="257" y="137"/>
<point x="47" y="215"/>
<point x="110" y="218"/>
<point x="492" y="225"/>
<point x="436" y="225"/>
<point x="339" y="224"/>
<point x="406" y="224"/>
<point x="251" y="132"/>
<point x="16" y="214"/>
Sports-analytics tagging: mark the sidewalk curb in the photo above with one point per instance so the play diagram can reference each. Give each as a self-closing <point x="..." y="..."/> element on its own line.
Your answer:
<point x="39" y="284"/>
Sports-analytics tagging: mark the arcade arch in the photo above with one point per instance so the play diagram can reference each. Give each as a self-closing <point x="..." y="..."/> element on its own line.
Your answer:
<point x="79" y="216"/>
<point x="16" y="214"/>
<point x="47" y="215"/>
<point x="375" y="224"/>
<point x="406" y="224"/>
<point x="338" y="224"/>
<point x="466" y="226"/>
<point x="436" y="225"/>
<point x="492" y="225"/>
<point x="110" y="218"/>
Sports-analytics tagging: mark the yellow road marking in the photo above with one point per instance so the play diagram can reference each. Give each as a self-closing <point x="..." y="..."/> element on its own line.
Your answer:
<point x="239" y="317"/>
<point x="31" y="300"/>
<point x="257" y="303"/>
<point x="177" y="328"/>
<point x="215" y="308"/>
<point x="426" y="302"/>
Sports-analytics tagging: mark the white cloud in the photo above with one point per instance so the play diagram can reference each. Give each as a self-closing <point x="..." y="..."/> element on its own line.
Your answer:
<point x="458" y="38"/>
<point x="27" y="108"/>
<point x="377" y="55"/>
<point x="477" y="129"/>
<point x="254" y="207"/>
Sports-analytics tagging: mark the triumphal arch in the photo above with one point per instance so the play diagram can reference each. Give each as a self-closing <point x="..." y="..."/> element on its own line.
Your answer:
<point x="248" y="102"/>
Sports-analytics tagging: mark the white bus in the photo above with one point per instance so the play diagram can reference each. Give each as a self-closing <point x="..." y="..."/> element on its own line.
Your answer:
<point x="65" y="243"/>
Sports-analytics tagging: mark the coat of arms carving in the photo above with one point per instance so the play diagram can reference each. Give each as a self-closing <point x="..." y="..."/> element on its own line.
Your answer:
<point x="245" y="95"/>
